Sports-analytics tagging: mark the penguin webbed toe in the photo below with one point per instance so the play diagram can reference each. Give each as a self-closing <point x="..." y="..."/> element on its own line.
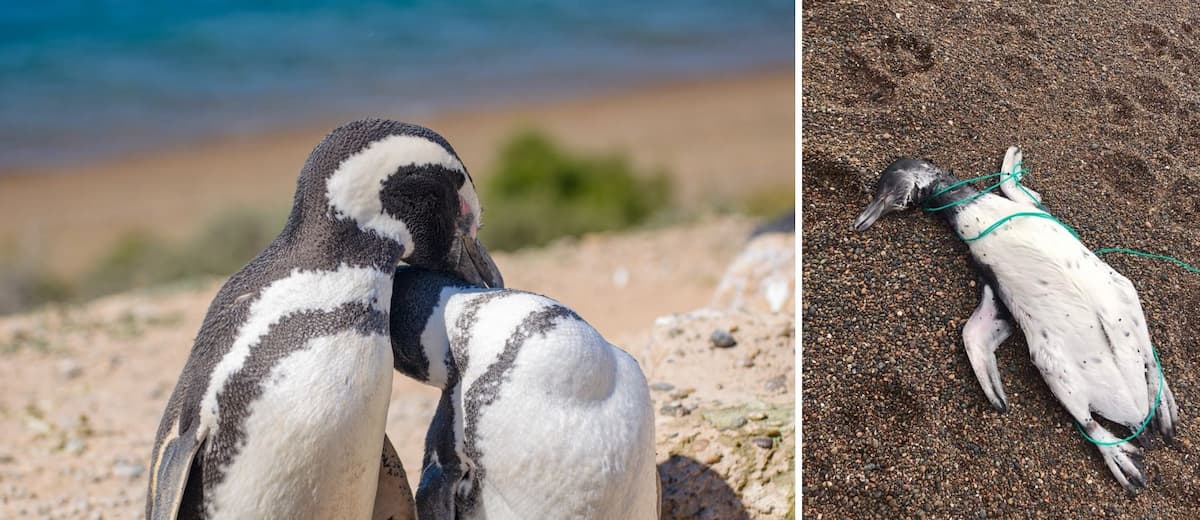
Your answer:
<point x="1168" y="417"/>
<point x="1127" y="465"/>
<point x="1000" y="405"/>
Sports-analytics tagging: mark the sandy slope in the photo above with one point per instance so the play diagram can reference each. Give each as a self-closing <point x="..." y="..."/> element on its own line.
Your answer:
<point x="82" y="388"/>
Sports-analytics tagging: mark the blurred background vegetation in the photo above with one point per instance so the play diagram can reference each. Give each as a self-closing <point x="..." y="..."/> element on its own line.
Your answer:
<point x="537" y="192"/>
<point x="540" y="192"/>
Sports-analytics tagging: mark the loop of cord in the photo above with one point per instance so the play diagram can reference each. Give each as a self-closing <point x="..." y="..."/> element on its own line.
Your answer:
<point x="1018" y="172"/>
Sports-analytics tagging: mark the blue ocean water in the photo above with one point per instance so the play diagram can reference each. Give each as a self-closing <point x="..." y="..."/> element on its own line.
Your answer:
<point x="80" y="79"/>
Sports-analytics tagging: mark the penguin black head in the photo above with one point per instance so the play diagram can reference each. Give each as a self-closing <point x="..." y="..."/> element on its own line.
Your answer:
<point x="402" y="183"/>
<point x="904" y="184"/>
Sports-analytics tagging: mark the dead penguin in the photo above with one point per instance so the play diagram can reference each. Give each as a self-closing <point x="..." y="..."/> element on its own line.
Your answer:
<point x="540" y="417"/>
<point x="280" y="409"/>
<point x="1082" y="320"/>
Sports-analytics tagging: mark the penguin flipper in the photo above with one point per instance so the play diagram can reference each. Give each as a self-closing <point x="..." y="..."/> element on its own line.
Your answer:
<point x="987" y="328"/>
<point x="393" y="497"/>
<point x="175" y="487"/>
<point x="1009" y="186"/>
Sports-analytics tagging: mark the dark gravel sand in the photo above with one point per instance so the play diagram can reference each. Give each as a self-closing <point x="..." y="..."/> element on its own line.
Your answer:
<point x="1104" y="98"/>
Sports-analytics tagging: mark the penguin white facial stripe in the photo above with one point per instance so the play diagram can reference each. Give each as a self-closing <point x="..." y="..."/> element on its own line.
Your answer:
<point x="302" y="290"/>
<point x="353" y="189"/>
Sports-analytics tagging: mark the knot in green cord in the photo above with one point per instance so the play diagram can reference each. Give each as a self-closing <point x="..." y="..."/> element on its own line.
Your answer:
<point x="1016" y="176"/>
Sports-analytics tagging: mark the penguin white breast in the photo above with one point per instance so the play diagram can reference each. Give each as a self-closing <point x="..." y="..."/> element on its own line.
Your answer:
<point x="309" y="442"/>
<point x="577" y="403"/>
<point x="312" y="440"/>
<point x="1071" y="305"/>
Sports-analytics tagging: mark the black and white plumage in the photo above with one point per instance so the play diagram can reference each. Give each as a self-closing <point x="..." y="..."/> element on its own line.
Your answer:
<point x="1082" y="320"/>
<point x="540" y="417"/>
<point x="280" y="409"/>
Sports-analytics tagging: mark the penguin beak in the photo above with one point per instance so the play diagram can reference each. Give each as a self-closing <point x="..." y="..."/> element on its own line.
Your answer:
<point x="471" y="261"/>
<point x="875" y="209"/>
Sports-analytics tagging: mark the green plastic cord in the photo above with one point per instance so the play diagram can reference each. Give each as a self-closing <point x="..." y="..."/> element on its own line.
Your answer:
<point x="1016" y="175"/>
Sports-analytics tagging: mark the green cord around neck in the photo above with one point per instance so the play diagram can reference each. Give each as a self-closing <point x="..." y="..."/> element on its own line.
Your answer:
<point x="1018" y="172"/>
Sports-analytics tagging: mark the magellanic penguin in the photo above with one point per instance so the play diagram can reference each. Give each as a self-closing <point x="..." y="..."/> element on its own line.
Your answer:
<point x="280" y="409"/>
<point x="1082" y="320"/>
<point x="540" y="416"/>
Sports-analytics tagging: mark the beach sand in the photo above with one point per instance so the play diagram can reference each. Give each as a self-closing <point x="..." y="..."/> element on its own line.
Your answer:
<point x="1103" y="99"/>
<point x="721" y="139"/>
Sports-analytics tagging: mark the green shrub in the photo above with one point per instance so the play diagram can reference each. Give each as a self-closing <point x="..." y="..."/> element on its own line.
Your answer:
<point x="539" y="192"/>
<point x="136" y="260"/>
<point x="221" y="247"/>
<point x="22" y="285"/>
<point x="231" y="240"/>
<point x="769" y="202"/>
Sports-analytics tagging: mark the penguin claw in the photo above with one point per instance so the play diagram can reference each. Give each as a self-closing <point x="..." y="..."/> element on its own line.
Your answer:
<point x="1167" y="417"/>
<point x="1126" y="465"/>
<point x="1000" y="406"/>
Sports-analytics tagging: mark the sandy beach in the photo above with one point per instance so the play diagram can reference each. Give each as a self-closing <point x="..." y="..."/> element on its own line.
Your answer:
<point x="1103" y="100"/>
<point x="721" y="139"/>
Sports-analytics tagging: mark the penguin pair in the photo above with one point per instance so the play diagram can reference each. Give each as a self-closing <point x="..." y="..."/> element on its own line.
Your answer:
<point x="1082" y="320"/>
<point x="281" y="406"/>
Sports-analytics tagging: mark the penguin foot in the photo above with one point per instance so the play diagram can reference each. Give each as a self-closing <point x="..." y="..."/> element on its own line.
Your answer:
<point x="1012" y="162"/>
<point x="1125" y="463"/>
<point x="1168" y="415"/>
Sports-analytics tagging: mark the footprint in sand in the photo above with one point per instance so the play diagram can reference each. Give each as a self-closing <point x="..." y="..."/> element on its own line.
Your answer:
<point x="1128" y="175"/>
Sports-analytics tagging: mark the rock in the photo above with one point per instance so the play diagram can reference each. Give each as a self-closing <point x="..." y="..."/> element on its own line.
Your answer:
<point x="682" y="393"/>
<point x="721" y="338"/>
<point x="662" y="387"/>
<point x="74" y="446"/>
<point x="744" y="363"/>
<point x="37" y="426"/>
<point x="765" y="443"/>
<point x="69" y="368"/>
<point x="756" y="416"/>
<point x="726" y="419"/>
<point x="127" y="469"/>
<point x="674" y="409"/>
<point x="776" y="384"/>
<point x="620" y="277"/>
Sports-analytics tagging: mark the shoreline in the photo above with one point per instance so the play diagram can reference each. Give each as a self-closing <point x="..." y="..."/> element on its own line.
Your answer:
<point x="734" y="133"/>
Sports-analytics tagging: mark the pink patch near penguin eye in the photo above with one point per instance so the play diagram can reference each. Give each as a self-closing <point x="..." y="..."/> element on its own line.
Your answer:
<point x="465" y="211"/>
